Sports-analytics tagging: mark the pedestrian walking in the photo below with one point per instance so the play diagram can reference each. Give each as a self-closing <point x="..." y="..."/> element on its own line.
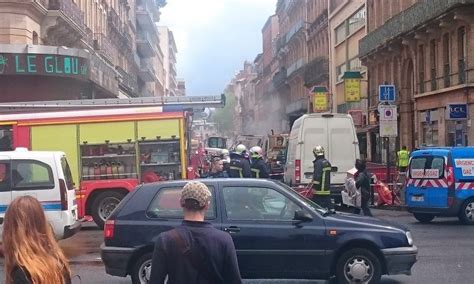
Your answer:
<point x="217" y="169"/>
<point x="195" y="252"/>
<point x="31" y="252"/>
<point x="258" y="167"/>
<point x="351" y="195"/>
<point x="403" y="158"/>
<point x="321" y="179"/>
<point x="239" y="166"/>
<point x="363" y="185"/>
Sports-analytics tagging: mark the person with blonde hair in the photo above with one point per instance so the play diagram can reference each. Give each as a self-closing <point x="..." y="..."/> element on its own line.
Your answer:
<point x="31" y="252"/>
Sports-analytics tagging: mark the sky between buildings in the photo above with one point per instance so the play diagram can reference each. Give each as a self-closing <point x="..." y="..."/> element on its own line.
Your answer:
<point x="214" y="38"/>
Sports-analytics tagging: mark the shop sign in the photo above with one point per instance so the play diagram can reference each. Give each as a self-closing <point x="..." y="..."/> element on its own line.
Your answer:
<point x="457" y="112"/>
<point x="352" y="90"/>
<point x="44" y="64"/>
<point x="320" y="102"/>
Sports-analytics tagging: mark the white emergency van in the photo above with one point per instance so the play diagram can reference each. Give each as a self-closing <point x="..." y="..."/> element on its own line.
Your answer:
<point x="336" y="133"/>
<point x="45" y="176"/>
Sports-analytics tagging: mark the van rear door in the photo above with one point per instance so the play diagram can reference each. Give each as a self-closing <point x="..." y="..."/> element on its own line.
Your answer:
<point x="5" y="188"/>
<point x="314" y="133"/>
<point x="427" y="184"/>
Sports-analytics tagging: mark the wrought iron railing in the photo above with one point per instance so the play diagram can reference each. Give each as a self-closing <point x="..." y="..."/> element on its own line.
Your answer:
<point x="70" y="10"/>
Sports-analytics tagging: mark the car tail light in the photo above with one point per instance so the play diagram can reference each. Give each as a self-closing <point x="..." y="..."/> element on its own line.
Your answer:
<point x="297" y="171"/>
<point x="109" y="229"/>
<point x="450" y="178"/>
<point x="63" y="193"/>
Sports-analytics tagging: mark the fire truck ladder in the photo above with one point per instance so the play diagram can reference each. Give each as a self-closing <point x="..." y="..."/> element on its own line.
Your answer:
<point x="185" y="102"/>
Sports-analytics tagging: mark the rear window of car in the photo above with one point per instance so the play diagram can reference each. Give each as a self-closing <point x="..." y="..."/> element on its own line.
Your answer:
<point x="31" y="174"/>
<point x="67" y="173"/>
<point x="429" y="167"/>
<point x="166" y="204"/>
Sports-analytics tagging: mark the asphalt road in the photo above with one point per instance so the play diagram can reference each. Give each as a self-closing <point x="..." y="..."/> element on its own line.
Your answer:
<point x="445" y="253"/>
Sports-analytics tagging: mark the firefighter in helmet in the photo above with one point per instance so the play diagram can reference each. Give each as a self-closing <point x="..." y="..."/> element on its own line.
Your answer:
<point x="259" y="167"/>
<point x="239" y="166"/>
<point x="321" y="178"/>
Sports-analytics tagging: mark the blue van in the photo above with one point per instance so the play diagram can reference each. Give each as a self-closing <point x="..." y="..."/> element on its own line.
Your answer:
<point x="440" y="182"/>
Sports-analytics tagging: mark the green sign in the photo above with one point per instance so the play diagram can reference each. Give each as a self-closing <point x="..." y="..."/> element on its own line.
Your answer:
<point x="44" y="64"/>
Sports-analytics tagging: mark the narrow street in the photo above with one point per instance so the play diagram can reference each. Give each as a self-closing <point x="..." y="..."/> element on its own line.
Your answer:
<point x="444" y="253"/>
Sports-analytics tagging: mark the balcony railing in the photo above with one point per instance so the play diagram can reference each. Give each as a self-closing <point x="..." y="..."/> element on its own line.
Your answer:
<point x="127" y="81"/>
<point x="446" y="75"/>
<point x="103" y="45"/>
<point x="433" y="79"/>
<point x="462" y="71"/>
<point x="70" y="10"/>
<point x="145" y="44"/>
<point x="147" y="72"/>
<point x="298" y="26"/>
<point x="297" y="65"/>
<point x="422" y="82"/>
<point x="146" y="14"/>
<point x="279" y="79"/>
<point x="316" y="72"/>
<point x="408" y="20"/>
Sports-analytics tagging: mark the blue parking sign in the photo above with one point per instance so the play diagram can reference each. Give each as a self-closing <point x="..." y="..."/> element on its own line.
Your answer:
<point x="386" y="93"/>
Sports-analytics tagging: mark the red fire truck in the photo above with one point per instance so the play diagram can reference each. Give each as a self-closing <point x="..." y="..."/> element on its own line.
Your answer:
<point x="110" y="150"/>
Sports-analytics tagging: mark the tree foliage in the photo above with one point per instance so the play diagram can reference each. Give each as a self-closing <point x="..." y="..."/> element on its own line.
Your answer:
<point x="224" y="117"/>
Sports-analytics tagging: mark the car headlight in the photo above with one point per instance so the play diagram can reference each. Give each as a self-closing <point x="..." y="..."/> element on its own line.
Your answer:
<point x="409" y="238"/>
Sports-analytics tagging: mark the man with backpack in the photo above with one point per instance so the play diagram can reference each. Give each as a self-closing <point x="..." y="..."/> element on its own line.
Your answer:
<point x="195" y="251"/>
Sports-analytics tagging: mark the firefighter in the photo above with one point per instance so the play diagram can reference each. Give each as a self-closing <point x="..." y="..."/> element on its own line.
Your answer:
<point x="321" y="178"/>
<point x="239" y="166"/>
<point x="259" y="167"/>
<point x="403" y="158"/>
<point x="226" y="159"/>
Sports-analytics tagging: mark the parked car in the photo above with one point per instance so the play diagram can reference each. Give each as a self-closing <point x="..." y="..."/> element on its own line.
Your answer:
<point x="440" y="182"/>
<point x="277" y="233"/>
<point x="47" y="177"/>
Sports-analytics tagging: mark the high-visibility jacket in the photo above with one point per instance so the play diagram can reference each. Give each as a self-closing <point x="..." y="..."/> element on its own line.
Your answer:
<point x="321" y="177"/>
<point x="239" y="167"/>
<point x="403" y="158"/>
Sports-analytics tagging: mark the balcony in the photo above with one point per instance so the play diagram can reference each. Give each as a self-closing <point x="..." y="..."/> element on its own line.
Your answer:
<point x="145" y="45"/>
<point x="126" y="81"/>
<point x="296" y="66"/>
<point x="114" y="22"/>
<point x="64" y="23"/>
<point x="104" y="46"/>
<point x="297" y="27"/>
<point x="462" y="71"/>
<point x="89" y="38"/>
<point x="146" y="15"/>
<point x="279" y="79"/>
<point x="446" y="75"/>
<point x="146" y="71"/>
<point x="406" y="21"/>
<point x="317" y="72"/>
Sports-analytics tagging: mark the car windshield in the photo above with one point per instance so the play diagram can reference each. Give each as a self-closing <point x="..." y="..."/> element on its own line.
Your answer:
<point x="307" y="201"/>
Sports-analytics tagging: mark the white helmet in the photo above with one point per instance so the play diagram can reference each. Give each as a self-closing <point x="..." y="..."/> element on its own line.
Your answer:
<point x="256" y="152"/>
<point x="225" y="152"/>
<point x="240" y="149"/>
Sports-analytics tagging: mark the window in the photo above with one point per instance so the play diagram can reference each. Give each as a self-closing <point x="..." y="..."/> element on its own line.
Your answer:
<point x="340" y="70"/>
<point x="29" y="174"/>
<point x="421" y="67"/>
<point x="67" y="174"/>
<point x="355" y="64"/>
<point x="258" y="203"/>
<point x="446" y="60"/>
<point x="427" y="167"/>
<point x="357" y="20"/>
<point x="433" y="50"/>
<point x="166" y="204"/>
<point x="341" y="33"/>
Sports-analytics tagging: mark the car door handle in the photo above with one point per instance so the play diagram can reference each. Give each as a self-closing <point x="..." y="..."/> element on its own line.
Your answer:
<point x="232" y="229"/>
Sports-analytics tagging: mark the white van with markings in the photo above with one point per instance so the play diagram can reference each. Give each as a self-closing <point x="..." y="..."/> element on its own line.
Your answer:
<point x="336" y="133"/>
<point x="45" y="176"/>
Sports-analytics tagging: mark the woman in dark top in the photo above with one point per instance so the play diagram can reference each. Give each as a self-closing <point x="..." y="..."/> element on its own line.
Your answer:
<point x="31" y="252"/>
<point x="363" y="185"/>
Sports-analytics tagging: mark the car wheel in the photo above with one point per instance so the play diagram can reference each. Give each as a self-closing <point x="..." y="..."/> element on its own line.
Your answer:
<point x="423" y="217"/>
<point x="103" y="206"/>
<point x="466" y="215"/>
<point x="142" y="269"/>
<point x="358" y="266"/>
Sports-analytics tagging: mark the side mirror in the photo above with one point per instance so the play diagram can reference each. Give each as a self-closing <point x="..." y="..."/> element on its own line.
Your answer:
<point x="302" y="216"/>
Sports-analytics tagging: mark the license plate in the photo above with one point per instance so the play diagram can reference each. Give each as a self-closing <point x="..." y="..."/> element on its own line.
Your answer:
<point x="417" y="198"/>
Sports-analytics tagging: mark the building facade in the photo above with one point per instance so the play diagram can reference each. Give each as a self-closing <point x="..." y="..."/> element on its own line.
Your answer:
<point x="426" y="49"/>
<point x="168" y="46"/>
<point x="347" y="25"/>
<point x="77" y="49"/>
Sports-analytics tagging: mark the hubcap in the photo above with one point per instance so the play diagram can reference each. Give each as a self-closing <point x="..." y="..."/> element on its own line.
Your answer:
<point x="144" y="272"/>
<point x="358" y="270"/>
<point x="107" y="206"/>
<point x="469" y="211"/>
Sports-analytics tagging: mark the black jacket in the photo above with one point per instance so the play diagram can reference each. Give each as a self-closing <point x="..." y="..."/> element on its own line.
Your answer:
<point x="216" y="250"/>
<point x="363" y="184"/>
<point x="21" y="276"/>
<point x="260" y="167"/>
<point x="239" y="166"/>
<point x="322" y="174"/>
